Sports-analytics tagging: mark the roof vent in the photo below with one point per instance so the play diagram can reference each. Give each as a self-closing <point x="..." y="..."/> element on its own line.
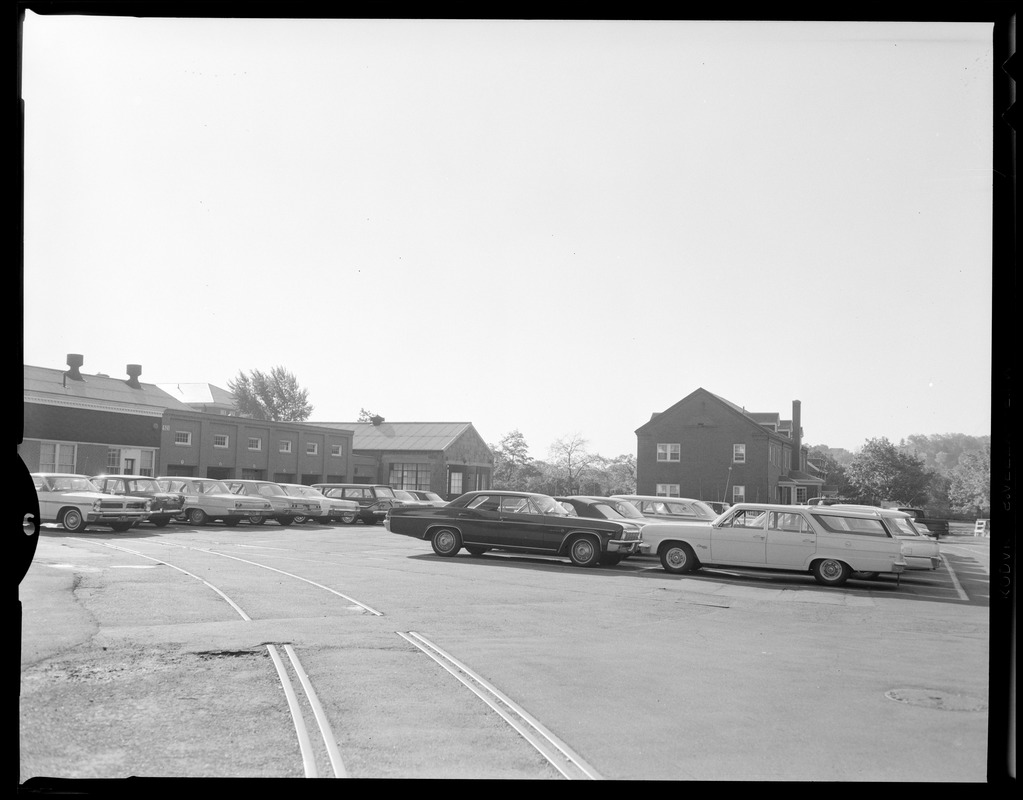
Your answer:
<point x="74" y="361"/>
<point x="134" y="370"/>
<point x="376" y="419"/>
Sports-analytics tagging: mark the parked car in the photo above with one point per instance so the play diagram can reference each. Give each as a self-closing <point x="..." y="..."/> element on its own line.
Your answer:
<point x="286" y="508"/>
<point x="207" y="499"/>
<point x="164" y="506"/>
<point x="520" y="522"/>
<point x="920" y="550"/>
<point x="374" y="499"/>
<point x="605" y="508"/>
<point x="830" y="543"/>
<point x="718" y="506"/>
<point x="935" y="526"/>
<point x="679" y="509"/>
<point x="76" y="502"/>
<point x="331" y="508"/>
<point x="431" y="498"/>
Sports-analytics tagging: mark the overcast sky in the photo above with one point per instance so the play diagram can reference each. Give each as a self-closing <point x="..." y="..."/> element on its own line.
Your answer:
<point x="551" y="227"/>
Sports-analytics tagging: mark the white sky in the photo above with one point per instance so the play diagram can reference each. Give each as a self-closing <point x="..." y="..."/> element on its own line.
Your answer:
<point x="554" y="227"/>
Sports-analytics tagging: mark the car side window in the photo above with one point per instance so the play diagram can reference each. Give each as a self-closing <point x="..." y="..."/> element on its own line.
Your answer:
<point x="745" y="518"/>
<point x="786" y="522"/>
<point x="514" y="505"/>
<point x="484" y="503"/>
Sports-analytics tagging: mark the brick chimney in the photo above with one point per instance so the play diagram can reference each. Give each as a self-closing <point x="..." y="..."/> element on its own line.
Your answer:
<point x="74" y="361"/>
<point x="134" y="370"/>
<point x="797" y="435"/>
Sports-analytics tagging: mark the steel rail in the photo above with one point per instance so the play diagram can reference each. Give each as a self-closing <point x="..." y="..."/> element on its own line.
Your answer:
<point x="298" y="718"/>
<point x="556" y="752"/>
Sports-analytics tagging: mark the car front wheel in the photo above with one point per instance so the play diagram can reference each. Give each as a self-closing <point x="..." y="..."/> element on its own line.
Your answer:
<point x="73" y="521"/>
<point x="830" y="572"/>
<point x="446" y="542"/>
<point x="348" y="518"/>
<point x="584" y="552"/>
<point x="301" y="520"/>
<point x="678" y="558"/>
<point x="196" y="516"/>
<point x="256" y="519"/>
<point x="161" y="522"/>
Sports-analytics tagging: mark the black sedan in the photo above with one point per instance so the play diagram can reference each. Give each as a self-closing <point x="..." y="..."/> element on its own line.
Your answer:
<point x="522" y="522"/>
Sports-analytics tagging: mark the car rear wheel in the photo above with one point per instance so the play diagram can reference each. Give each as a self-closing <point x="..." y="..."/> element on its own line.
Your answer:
<point x="301" y="520"/>
<point x="476" y="550"/>
<point x="348" y="518"/>
<point x="830" y="572"/>
<point x="678" y="558"/>
<point x="584" y="551"/>
<point x="285" y="521"/>
<point x="73" y="521"/>
<point x="196" y="516"/>
<point x="446" y="542"/>
<point x="256" y="519"/>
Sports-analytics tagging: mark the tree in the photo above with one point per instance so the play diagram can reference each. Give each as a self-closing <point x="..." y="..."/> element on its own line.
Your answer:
<point x="880" y="471"/>
<point x="836" y="476"/>
<point x="512" y="463"/>
<point x="274" y="396"/>
<point x="366" y="416"/>
<point x="970" y="487"/>
<point x="570" y="461"/>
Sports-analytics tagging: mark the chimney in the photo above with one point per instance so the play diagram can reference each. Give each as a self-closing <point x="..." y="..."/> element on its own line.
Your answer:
<point x="797" y="435"/>
<point x="134" y="370"/>
<point x="376" y="419"/>
<point x="74" y="361"/>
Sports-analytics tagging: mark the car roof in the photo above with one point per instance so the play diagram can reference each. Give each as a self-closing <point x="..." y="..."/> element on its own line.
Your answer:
<point x="656" y="497"/>
<point x="826" y="510"/>
<point x="885" y="512"/>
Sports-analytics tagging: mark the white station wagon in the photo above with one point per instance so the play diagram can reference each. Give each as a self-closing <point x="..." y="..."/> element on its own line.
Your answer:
<point x="827" y="542"/>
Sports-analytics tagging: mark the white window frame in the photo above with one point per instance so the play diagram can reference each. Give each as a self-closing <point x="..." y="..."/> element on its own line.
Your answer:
<point x="312" y="449"/>
<point x="337" y="451"/>
<point x="668" y="452"/>
<point x="183" y="438"/>
<point x="58" y="465"/>
<point x="258" y="443"/>
<point x="738" y="494"/>
<point x="284" y="446"/>
<point x="739" y="453"/>
<point x="668" y="490"/>
<point x="113" y="461"/>
<point x="225" y="437"/>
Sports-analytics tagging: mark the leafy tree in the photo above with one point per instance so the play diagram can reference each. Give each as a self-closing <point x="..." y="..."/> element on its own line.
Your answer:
<point x="512" y="463"/>
<point x="880" y="471"/>
<point x="941" y="451"/>
<point x="366" y="416"/>
<point x="274" y="396"/>
<point x="836" y="475"/>
<point x="970" y="484"/>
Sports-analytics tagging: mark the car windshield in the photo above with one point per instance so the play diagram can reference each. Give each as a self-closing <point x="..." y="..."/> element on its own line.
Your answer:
<point x="385" y="491"/>
<point x="214" y="487"/>
<point x="73" y="484"/>
<point x="903" y="526"/>
<point x="403" y="495"/>
<point x="431" y="496"/>
<point x="627" y="509"/>
<point x="271" y="490"/>
<point x="302" y="491"/>
<point x="609" y="512"/>
<point x="143" y="485"/>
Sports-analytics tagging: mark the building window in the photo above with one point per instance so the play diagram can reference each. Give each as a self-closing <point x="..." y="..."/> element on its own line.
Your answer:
<point x="667" y="490"/>
<point x="56" y="457"/>
<point x="410" y="476"/>
<point x="147" y="461"/>
<point x="738" y="494"/>
<point x="183" y="438"/>
<point x="311" y="448"/>
<point x="669" y="452"/>
<point x="336" y="450"/>
<point x="285" y="446"/>
<point x="738" y="454"/>
<point x="220" y="440"/>
<point x="255" y="443"/>
<point x="455" y="481"/>
<point x="113" y="461"/>
<point x="800" y="499"/>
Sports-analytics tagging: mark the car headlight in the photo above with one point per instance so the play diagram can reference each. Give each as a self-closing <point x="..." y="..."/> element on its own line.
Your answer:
<point x="149" y="505"/>
<point x="96" y="505"/>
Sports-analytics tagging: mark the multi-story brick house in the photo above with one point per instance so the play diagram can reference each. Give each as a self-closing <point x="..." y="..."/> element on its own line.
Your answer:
<point x="709" y="448"/>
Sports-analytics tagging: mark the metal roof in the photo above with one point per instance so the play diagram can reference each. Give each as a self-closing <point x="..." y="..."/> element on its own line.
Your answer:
<point x="431" y="436"/>
<point x="198" y="393"/>
<point x="53" y="387"/>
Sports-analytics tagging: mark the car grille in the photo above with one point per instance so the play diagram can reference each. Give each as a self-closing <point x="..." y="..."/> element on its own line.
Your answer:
<point x="111" y="505"/>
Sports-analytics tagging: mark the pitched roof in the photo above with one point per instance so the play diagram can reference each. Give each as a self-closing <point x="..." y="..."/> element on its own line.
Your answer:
<point x="97" y="392"/>
<point x="198" y="393"/>
<point x="401" y="435"/>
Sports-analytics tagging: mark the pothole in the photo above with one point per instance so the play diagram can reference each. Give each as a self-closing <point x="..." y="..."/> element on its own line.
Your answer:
<point x="938" y="698"/>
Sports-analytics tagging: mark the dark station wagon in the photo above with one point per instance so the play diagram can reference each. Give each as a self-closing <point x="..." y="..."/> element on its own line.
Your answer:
<point x="521" y="522"/>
